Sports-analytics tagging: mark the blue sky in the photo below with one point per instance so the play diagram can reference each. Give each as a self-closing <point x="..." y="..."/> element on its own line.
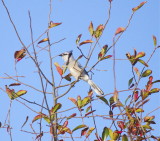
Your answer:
<point x="75" y="17"/>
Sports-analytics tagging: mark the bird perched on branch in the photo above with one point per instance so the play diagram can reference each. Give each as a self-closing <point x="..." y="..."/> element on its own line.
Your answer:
<point x="78" y="71"/>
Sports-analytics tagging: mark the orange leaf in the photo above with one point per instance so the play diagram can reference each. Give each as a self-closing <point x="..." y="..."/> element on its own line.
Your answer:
<point x="52" y="24"/>
<point x="18" y="55"/>
<point x="119" y="30"/>
<point x="139" y="6"/>
<point x="59" y="69"/>
<point x="43" y="40"/>
<point x="154" y="40"/>
<point x="86" y="42"/>
<point x="41" y="115"/>
<point x="73" y="100"/>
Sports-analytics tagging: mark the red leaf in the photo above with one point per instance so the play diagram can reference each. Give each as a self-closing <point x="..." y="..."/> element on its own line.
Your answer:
<point x="84" y="131"/>
<point x="15" y="84"/>
<point x="59" y="69"/>
<point x="65" y="123"/>
<point x="119" y="30"/>
<point x="121" y="124"/>
<point x="89" y="113"/>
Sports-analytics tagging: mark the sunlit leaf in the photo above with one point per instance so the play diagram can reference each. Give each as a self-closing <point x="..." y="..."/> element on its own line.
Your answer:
<point x="41" y="115"/>
<point x="73" y="100"/>
<point x="115" y="135"/>
<point x="66" y="129"/>
<point x="89" y="131"/>
<point x="19" y="55"/>
<point x="146" y="73"/>
<point x="65" y="123"/>
<point x="85" y="101"/>
<point x="52" y="24"/>
<point x="155" y="40"/>
<point x="56" y="108"/>
<point x="59" y="69"/>
<point x="88" y="108"/>
<point x="111" y="100"/>
<point x="91" y="29"/>
<point x="15" y="84"/>
<point x="115" y="96"/>
<point x="103" y="99"/>
<point x="148" y="118"/>
<point x="102" y="52"/>
<point x="86" y="42"/>
<point x="79" y="102"/>
<point x="119" y="30"/>
<point x="79" y="127"/>
<point x="71" y="116"/>
<point x="140" y="54"/>
<point x="10" y="92"/>
<point x="139" y="110"/>
<point x="144" y="63"/>
<point x="155" y="90"/>
<point x="124" y="137"/>
<point x="20" y="93"/>
<point x="99" y="31"/>
<point x="110" y="133"/>
<point x="139" y="6"/>
<point x="43" y="40"/>
<point x="105" y="133"/>
<point x="78" y="39"/>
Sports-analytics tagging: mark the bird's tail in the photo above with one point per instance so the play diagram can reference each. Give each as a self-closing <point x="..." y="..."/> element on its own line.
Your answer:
<point x="95" y="87"/>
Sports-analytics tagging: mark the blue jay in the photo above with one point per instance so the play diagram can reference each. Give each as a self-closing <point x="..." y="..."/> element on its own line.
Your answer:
<point x="75" y="69"/>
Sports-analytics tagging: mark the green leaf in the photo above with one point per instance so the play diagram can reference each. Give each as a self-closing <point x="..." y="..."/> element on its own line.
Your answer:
<point x="106" y="57"/>
<point x="155" y="40"/>
<point x="85" y="101"/>
<point x="139" y="110"/>
<point x="140" y="54"/>
<point x="111" y="133"/>
<point x="99" y="31"/>
<point x="89" y="131"/>
<point x="56" y="108"/>
<point x="103" y="99"/>
<point x="142" y="62"/>
<point x="105" y="133"/>
<point x="88" y="108"/>
<point x="78" y="39"/>
<point x="41" y="115"/>
<point x="90" y="28"/>
<point x="79" y="127"/>
<point x="146" y="73"/>
<point x="102" y="52"/>
<point x="124" y="137"/>
<point x="111" y="100"/>
<point x="79" y="102"/>
<point x="130" y="81"/>
<point x="115" y="135"/>
<point x="155" y="90"/>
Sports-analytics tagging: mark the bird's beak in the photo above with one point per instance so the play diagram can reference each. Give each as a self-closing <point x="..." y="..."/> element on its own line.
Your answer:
<point x="60" y="55"/>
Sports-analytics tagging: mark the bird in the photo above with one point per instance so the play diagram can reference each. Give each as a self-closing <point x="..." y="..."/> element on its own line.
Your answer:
<point x="78" y="72"/>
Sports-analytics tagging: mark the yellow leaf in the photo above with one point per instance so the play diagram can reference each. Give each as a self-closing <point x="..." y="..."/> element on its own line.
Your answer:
<point x="139" y="6"/>
<point x="43" y="40"/>
<point x="52" y="24"/>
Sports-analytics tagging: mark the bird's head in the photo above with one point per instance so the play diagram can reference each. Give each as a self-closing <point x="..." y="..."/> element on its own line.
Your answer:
<point x="66" y="56"/>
